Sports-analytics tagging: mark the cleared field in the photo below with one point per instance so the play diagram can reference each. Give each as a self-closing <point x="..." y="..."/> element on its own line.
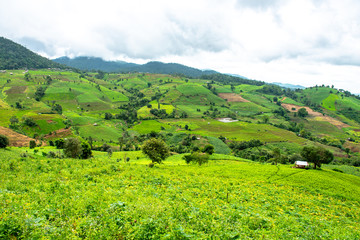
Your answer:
<point x="232" y="97"/>
<point x="317" y="116"/>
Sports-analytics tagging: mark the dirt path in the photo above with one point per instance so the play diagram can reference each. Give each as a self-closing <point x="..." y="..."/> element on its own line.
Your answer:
<point x="16" y="139"/>
<point x="318" y="116"/>
<point x="232" y="97"/>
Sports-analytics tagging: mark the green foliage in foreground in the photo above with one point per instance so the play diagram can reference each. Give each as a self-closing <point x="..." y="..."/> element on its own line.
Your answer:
<point x="104" y="198"/>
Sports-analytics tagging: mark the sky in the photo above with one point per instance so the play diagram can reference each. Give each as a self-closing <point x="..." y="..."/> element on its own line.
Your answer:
<point x="307" y="42"/>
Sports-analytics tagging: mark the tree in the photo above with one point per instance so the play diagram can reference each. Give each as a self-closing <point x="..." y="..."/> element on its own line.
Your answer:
<point x="32" y="144"/>
<point x="72" y="148"/>
<point x="156" y="150"/>
<point x="57" y="108"/>
<point x="276" y="154"/>
<point x="86" y="150"/>
<point x="302" y="112"/>
<point x="14" y="120"/>
<point x="209" y="149"/>
<point x="4" y="141"/>
<point x="317" y="155"/>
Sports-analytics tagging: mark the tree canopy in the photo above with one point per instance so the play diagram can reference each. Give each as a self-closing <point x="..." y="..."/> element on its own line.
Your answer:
<point x="156" y="150"/>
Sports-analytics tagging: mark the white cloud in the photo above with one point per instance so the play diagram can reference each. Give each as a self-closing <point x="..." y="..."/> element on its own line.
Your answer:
<point x="307" y="42"/>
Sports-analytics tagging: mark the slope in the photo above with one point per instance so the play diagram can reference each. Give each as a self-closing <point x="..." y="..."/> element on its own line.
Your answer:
<point x="15" y="56"/>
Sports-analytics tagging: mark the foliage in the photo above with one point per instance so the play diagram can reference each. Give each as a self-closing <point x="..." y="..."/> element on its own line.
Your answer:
<point x="209" y="149"/>
<point x="15" y="56"/>
<point x="32" y="144"/>
<point x="317" y="155"/>
<point x="72" y="148"/>
<point x="302" y="112"/>
<point x="85" y="150"/>
<point x="156" y="150"/>
<point x="4" y="141"/>
<point x="197" y="157"/>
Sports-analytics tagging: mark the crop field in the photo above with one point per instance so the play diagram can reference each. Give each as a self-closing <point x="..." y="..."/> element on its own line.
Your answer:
<point x="247" y="108"/>
<point x="105" y="198"/>
<point x="329" y="102"/>
<point x="238" y="131"/>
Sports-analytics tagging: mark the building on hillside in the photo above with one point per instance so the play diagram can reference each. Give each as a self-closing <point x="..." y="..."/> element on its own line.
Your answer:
<point x="301" y="164"/>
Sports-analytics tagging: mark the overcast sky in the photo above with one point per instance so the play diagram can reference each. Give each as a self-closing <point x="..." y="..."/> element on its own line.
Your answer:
<point x="304" y="42"/>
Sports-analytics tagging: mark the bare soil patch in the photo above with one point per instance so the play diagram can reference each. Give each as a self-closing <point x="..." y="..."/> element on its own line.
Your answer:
<point x="232" y="97"/>
<point x="61" y="133"/>
<point x="317" y="115"/>
<point x="16" y="139"/>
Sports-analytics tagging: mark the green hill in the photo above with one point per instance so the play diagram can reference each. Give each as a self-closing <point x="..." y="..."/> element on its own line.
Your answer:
<point x="15" y="56"/>
<point x="92" y="63"/>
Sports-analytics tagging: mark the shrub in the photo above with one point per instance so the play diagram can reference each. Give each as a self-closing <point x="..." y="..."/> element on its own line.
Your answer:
<point x="197" y="157"/>
<point x="59" y="143"/>
<point x="209" y="149"/>
<point x="4" y="141"/>
<point x="32" y="144"/>
<point x="72" y="148"/>
<point x="86" y="150"/>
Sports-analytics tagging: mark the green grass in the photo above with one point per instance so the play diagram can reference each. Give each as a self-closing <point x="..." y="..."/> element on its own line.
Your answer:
<point x="329" y="102"/>
<point x="247" y="108"/>
<point x="147" y="126"/>
<point x="237" y="131"/>
<point x="104" y="198"/>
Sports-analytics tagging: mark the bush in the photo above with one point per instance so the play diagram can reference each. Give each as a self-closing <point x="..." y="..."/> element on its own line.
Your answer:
<point x="32" y="144"/>
<point x="72" y="148"/>
<point x="209" y="149"/>
<point x="197" y="157"/>
<point x="86" y="150"/>
<point x="4" y="141"/>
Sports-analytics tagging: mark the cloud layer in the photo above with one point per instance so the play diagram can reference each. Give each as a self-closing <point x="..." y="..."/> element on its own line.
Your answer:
<point x="306" y="42"/>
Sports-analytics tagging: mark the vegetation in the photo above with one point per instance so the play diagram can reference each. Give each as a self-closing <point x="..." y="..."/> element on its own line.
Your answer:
<point x="15" y="56"/>
<point x="229" y="149"/>
<point x="4" y="141"/>
<point x="156" y="150"/>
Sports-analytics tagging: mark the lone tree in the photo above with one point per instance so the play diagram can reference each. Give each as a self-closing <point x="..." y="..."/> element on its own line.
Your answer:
<point x="317" y="155"/>
<point x="156" y="150"/>
<point x="302" y="112"/>
<point x="4" y="141"/>
<point x="72" y="148"/>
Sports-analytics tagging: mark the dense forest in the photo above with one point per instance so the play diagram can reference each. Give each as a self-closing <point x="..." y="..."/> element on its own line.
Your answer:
<point x="15" y="56"/>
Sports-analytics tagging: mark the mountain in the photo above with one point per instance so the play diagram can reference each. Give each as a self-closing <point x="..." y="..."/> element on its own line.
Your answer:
<point x="92" y="63"/>
<point x="287" y="85"/>
<point x="15" y="56"/>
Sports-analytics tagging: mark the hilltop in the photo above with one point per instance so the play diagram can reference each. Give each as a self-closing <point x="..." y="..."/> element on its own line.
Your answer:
<point x="15" y="56"/>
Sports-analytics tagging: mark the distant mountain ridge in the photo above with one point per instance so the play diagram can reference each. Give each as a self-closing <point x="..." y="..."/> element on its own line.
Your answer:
<point x="93" y="63"/>
<point x="15" y="56"/>
<point x="287" y="85"/>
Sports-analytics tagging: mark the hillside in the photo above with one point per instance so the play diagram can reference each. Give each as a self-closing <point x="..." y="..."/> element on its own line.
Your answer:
<point x="15" y="56"/>
<point x="106" y="107"/>
<point x="106" y="198"/>
<point x="92" y="63"/>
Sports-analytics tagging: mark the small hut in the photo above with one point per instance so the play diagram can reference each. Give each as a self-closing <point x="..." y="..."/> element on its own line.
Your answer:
<point x="301" y="164"/>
